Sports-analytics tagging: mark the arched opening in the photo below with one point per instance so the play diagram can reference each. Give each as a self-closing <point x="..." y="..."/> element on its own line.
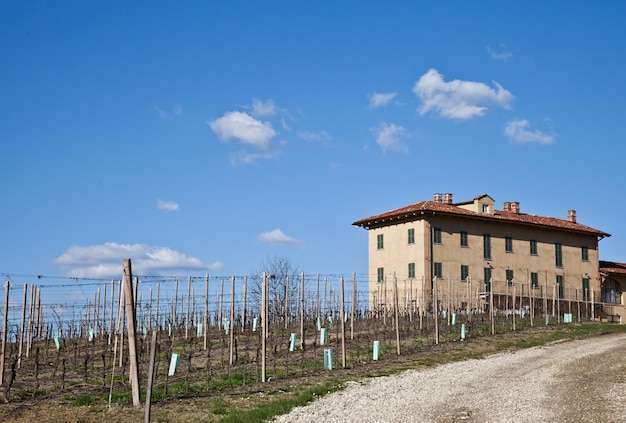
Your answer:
<point x="611" y="292"/>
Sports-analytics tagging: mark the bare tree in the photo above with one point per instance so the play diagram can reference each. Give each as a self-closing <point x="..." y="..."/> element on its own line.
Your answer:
<point x="283" y="283"/>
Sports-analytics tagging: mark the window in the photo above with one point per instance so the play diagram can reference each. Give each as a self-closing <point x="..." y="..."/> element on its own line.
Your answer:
<point x="464" y="242"/>
<point x="411" y="236"/>
<point x="508" y="244"/>
<point x="438" y="271"/>
<point x="558" y="254"/>
<point x="437" y="235"/>
<point x="585" y="253"/>
<point x="485" y="208"/>
<point x="533" y="247"/>
<point x="487" y="246"/>
<point x="411" y="270"/>
<point x="509" y="277"/>
<point x="380" y="243"/>
<point x="464" y="272"/>
<point x="559" y="285"/>
<point x="381" y="275"/>
<point x="534" y="279"/>
<point x="611" y="292"/>
<point x="487" y="273"/>
<point x="586" y="294"/>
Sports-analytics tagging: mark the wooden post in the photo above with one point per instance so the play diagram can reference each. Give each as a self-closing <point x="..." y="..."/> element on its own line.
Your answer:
<point x="263" y="325"/>
<point x="132" y="341"/>
<point x="103" y="323"/>
<point x="4" y="331"/>
<point x="31" y="316"/>
<point x="111" y="313"/>
<point x="435" y="310"/>
<point x="343" y="325"/>
<point x="188" y="305"/>
<point x="354" y="304"/>
<point x="287" y="304"/>
<point x="221" y="299"/>
<point x="514" y="307"/>
<point x="317" y="297"/>
<point x="302" y="312"/>
<point x="245" y="304"/>
<point x="150" y="377"/>
<point x="174" y="314"/>
<point x="396" y="306"/>
<point x="158" y="294"/>
<point x="231" y="329"/>
<point x="121" y="322"/>
<point x="469" y="299"/>
<point x="422" y="304"/>
<point x="491" y="311"/>
<point x="593" y="308"/>
<point x="19" y="353"/>
<point x="150" y="312"/>
<point x="206" y="309"/>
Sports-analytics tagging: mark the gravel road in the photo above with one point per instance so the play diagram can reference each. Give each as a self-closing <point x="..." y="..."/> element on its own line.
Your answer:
<point x="570" y="381"/>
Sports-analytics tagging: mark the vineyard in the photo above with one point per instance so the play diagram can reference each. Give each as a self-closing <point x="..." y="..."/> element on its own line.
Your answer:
<point x="134" y="340"/>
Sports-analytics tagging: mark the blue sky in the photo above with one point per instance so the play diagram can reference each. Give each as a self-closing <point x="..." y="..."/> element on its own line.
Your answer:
<point x="203" y="137"/>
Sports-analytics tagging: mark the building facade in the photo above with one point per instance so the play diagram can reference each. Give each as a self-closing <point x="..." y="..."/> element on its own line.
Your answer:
<point x="470" y="249"/>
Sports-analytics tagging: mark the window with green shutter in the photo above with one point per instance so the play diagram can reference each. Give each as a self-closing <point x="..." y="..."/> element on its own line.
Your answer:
<point x="411" y="236"/>
<point x="380" y="243"/>
<point x="558" y="254"/>
<point x="585" y="253"/>
<point x="464" y="272"/>
<point x="464" y="241"/>
<point x="586" y="294"/>
<point x="411" y="270"/>
<point x="533" y="247"/>
<point x="437" y="235"/>
<point x="559" y="285"/>
<point x="534" y="279"/>
<point x="487" y="275"/>
<point x="509" y="277"/>
<point x="381" y="275"/>
<point x="508" y="244"/>
<point x="487" y="246"/>
<point x="438" y="270"/>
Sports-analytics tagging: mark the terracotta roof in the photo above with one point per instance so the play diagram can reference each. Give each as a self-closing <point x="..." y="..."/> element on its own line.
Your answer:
<point x="612" y="267"/>
<point x="414" y="211"/>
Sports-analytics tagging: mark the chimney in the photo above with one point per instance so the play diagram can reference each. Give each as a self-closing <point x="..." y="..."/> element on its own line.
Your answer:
<point x="438" y="198"/>
<point x="515" y="207"/>
<point x="571" y="216"/>
<point x="447" y="198"/>
<point x="507" y="206"/>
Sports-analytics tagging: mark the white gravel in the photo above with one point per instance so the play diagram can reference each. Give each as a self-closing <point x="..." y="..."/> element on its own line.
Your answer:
<point x="532" y="385"/>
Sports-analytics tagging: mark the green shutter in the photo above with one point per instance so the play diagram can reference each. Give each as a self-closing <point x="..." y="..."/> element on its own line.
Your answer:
<point x="487" y="246"/>
<point x="558" y="253"/>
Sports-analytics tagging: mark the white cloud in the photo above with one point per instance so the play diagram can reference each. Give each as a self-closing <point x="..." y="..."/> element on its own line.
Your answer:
<point x="105" y="260"/>
<point x="167" y="205"/>
<point x="389" y="136"/>
<point x="244" y="128"/>
<point x="518" y="130"/>
<point x="162" y="113"/>
<point x="261" y="108"/>
<point x="314" y="136"/>
<point x="458" y="99"/>
<point x="245" y="157"/>
<point x="502" y="55"/>
<point x="380" y="99"/>
<point x="277" y="237"/>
